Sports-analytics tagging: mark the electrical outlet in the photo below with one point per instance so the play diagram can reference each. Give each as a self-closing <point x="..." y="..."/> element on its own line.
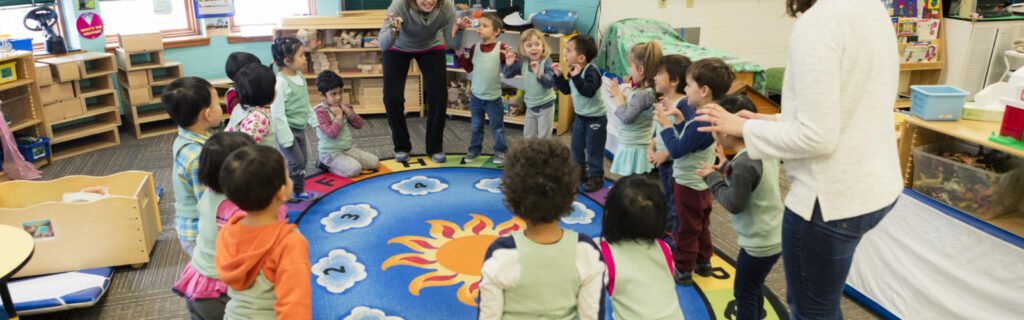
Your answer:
<point x="662" y="3"/>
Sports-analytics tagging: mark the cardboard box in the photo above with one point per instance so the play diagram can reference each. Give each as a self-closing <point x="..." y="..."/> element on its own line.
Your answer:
<point x="136" y="96"/>
<point x="43" y="76"/>
<point x="114" y="231"/>
<point x="57" y="92"/>
<point x="139" y="61"/>
<point x="106" y="100"/>
<point x="140" y="42"/>
<point x="63" y="110"/>
<point x="170" y="71"/>
<point x="133" y="79"/>
<point x="63" y="69"/>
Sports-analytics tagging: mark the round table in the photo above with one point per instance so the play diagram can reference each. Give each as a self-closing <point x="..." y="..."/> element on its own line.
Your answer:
<point x="17" y="250"/>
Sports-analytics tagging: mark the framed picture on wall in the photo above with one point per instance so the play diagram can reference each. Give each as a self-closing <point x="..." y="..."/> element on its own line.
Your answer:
<point x="214" y="8"/>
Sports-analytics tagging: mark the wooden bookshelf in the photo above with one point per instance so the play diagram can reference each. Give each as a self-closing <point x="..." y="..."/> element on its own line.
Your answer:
<point x="22" y="104"/>
<point x="94" y="126"/>
<point x="922" y="73"/>
<point x="145" y="118"/>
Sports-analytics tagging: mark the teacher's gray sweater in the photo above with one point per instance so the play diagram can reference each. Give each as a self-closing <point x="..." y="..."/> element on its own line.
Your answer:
<point x="419" y="32"/>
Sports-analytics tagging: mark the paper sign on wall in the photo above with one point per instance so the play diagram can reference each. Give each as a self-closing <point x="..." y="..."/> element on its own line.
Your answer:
<point x="214" y="8"/>
<point x="90" y="26"/>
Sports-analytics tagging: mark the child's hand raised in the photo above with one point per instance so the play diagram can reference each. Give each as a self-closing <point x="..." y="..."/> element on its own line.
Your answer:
<point x="557" y="68"/>
<point x="510" y="57"/>
<point x="661" y="117"/>
<point x="720" y="154"/>
<point x="575" y="70"/>
<point x="460" y="52"/>
<point x="707" y="170"/>
<point x="338" y="112"/>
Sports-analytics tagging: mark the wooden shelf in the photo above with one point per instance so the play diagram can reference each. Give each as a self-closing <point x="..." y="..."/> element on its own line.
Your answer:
<point x="163" y="80"/>
<point x="155" y="114"/>
<point x="976" y="132"/>
<point x="352" y="74"/>
<point x="380" y="109"/>
<point x="90" y="113"/>
<point x="347" y="50"/>
<point x="157" y="128"/>
<point x="24" y="123"/>
<point x="459" y="70"/>
<point x="520" y="119"/>
<point x="80" y="130"/>
<point x="85" y="144"/>
<point x="916" y="66"/>
<point x="16" y="83"/>
<point x="92" y="92"/>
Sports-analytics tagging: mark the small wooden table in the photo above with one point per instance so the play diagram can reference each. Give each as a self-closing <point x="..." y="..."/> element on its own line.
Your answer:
<point x="17" y="250"/>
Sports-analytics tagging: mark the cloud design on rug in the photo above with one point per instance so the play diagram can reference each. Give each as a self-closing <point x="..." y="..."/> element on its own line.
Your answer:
<point x="580" y="214"/>
<point x="419" y="185"/>
<point x="348" y="217"/>
<point x="338" y="271"/>
<point x="366" y="313"/>
<point x="489" y="185"/>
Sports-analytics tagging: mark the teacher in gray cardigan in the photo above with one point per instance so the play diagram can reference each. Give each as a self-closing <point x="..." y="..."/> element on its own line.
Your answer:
<point x="420" y="30"/>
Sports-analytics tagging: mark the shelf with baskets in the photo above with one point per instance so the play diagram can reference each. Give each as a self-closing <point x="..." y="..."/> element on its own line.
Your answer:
<point x="22" y="103"/>
<point x="80" y="102"/>
<point x="921" y="62"/>
<point x="347" y="46"/>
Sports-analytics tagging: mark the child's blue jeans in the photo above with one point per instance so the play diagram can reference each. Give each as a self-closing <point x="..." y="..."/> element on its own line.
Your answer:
<point x="496" y="113"/>
<point x="589" y="135"/>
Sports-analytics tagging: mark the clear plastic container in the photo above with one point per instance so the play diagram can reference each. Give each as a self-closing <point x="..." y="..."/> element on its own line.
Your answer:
<point x="979" y="192"/>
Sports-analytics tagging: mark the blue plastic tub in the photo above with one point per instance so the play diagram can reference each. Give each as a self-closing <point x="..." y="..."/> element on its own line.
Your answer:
<point x="939" y="102"/>
<point x="22" y="44"/>
<point x="35" y="151"/>
<point x="555" y="21"/>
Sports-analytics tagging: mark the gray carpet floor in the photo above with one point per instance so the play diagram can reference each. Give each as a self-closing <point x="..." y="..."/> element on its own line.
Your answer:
<point x="145" y="293"/>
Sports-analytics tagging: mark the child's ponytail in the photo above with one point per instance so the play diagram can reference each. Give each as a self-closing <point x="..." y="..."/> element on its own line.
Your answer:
<point x="648" y="55"/>
<point x="284" y="48"/>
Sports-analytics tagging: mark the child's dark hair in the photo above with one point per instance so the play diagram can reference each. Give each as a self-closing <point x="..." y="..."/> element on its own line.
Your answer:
<point x="185" y="98"/>
<point x="215" y="150"/>
<point x="586" y="46"/>
<point x="236" y="61"/>
<point x="737" y="102"/>
<point x="252" y="175"/>
<point x="675" y="66"/>
<point x="328" y="80"/>
<point x="634" y="210"/>
<point x="540" y="180"/>
<point x="496" y="23"/>
<point x="284" y="48"/>
<point x="714" y="73"/>
<point x="255" y="85"/>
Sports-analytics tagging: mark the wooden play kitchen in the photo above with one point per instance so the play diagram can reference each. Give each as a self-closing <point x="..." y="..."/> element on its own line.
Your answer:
<point x="142" y="74"/>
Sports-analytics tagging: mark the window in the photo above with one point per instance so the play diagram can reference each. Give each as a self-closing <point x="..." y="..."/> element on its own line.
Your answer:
<point x="173" y="19"/>
<point x="11" y="23"/>
<point x="262" y="15"/>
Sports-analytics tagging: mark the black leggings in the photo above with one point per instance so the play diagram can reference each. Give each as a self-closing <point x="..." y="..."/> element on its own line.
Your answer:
<point x="435" y="92"/>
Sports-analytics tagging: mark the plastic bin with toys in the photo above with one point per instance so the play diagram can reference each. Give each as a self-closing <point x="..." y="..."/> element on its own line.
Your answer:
<point x="979" y="181"/>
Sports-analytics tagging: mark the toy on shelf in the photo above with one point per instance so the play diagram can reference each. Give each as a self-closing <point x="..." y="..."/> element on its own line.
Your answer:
<point x="1011" y="131"/>
<point x="982" y="182"/>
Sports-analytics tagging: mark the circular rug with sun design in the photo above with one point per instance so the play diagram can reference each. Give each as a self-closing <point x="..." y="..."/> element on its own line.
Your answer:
<point x="407" y="240"/>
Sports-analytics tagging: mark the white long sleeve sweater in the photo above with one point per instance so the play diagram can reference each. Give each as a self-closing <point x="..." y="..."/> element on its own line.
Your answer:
<point x="835" y="133"/>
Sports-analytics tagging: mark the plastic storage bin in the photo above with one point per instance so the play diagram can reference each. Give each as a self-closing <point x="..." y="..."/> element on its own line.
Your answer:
<point x="34" y="149"/>
<point x="939" y="102"/>
<point x="979" y="192"/>
<point x="555" y="21"/>
<point x="450" y="61"/>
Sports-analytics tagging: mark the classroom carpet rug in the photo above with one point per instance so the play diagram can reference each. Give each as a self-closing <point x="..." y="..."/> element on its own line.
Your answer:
<point x="406" y="241"/>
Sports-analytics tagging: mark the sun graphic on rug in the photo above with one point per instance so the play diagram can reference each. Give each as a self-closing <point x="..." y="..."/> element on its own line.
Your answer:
<point x="455" y="254"/>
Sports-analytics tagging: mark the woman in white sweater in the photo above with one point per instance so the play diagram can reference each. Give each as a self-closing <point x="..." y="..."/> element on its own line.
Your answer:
<point x="836" y="139"/>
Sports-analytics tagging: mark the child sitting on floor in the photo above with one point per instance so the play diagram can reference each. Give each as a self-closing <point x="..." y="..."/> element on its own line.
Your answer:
<point x="334" y="124"/>
<point x="752" y="196"/>
<point x="544" y="271"/>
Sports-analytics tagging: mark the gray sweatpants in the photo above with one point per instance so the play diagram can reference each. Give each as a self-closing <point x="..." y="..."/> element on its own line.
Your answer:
<point x="296" y="156"/>
<point x="350" y="162"/>
<point x="538" y="123"/>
